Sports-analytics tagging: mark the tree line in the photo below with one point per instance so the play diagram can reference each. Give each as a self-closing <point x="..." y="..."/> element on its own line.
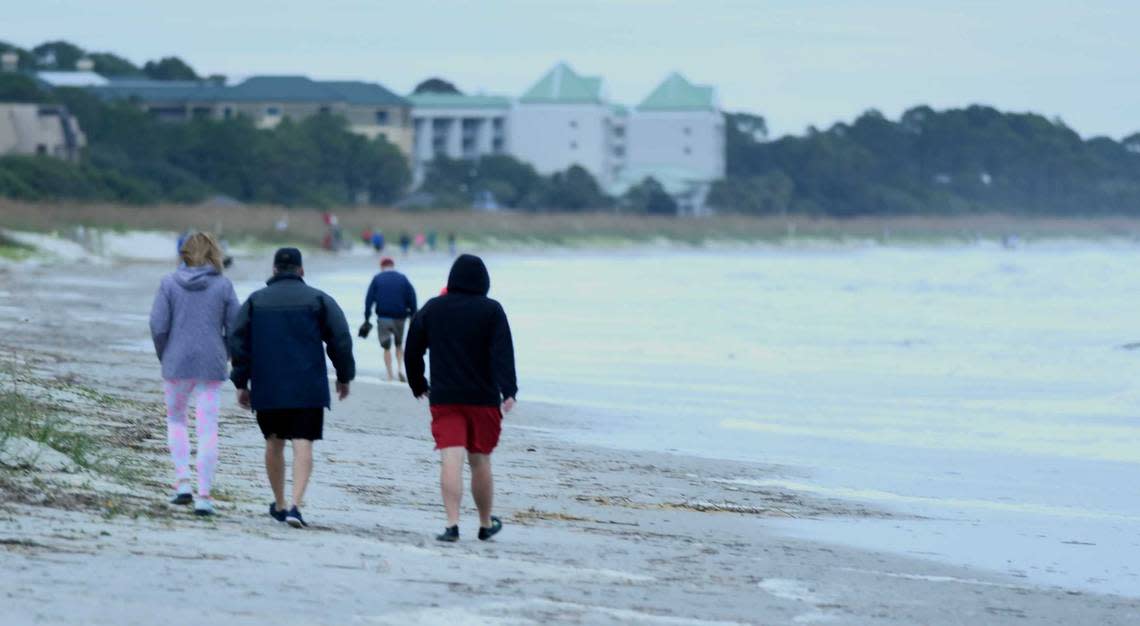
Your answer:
<point x="955" y="161"/>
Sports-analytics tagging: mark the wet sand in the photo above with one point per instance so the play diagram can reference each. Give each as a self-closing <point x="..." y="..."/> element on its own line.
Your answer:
<point x="592" y="536"/>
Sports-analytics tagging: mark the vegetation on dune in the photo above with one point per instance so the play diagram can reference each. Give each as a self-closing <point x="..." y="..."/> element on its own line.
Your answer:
<point x="953" y="162"/>
<point x="971" y="160"/>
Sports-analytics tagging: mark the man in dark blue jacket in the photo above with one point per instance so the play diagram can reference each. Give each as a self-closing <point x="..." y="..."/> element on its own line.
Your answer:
<point x="393" y="298"/>
<point x="278" y="348"/>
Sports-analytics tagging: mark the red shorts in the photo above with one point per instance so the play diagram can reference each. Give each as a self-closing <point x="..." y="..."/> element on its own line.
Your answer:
<point x="465" y="425"/>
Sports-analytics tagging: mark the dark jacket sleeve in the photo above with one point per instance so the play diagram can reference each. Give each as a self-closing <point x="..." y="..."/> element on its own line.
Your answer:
<point x="370" y="300"/>
<point x="338" y="339"/>
<point x="503" y="356"/>
<point x="414" y="348"/>
<point x="160" y="320"/>
<point x="240" y="341"/>
<point x="231" y="312"/>
<point x="409" y="297"/>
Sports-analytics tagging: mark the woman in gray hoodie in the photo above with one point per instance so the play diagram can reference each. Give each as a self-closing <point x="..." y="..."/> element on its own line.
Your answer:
<point x="193" y="311"/>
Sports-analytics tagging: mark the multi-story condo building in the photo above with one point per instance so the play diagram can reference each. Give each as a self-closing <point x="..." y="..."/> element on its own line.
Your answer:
<point x="457" y="127"/>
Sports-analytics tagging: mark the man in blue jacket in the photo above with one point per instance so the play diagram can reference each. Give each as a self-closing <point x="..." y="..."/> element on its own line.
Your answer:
<point x="393" y="298"/>
<point x="278" y="347"/>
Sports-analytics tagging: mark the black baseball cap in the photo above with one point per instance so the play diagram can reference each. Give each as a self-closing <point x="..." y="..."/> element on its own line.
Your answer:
<point x="287" y="257"/>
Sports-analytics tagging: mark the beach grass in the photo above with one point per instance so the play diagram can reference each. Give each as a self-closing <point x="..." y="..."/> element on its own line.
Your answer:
<point x="589" y="229"/>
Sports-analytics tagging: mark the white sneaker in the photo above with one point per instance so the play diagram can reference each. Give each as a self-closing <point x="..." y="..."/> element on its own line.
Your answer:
<point x="204" y="507"/>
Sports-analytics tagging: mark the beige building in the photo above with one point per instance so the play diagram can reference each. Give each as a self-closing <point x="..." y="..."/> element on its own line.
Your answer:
<point x="39" y="129"/>
<point x="370" y="109"/>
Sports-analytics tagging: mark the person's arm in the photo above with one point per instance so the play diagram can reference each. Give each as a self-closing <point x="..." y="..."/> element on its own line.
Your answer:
<point x="414" y="348"/>
<point x="160" y="320"/>
<point x="230" y="313"/>
<point x="503" y="357"/>
<point x="338" y="341"/>
<point x="409" y="297"/>
<point x="240" y="341"/>
<point x="370" y="300"/>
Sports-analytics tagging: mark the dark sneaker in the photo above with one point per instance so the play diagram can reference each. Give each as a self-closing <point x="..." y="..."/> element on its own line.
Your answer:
<point x="294" y="519"/>
<point x="183" y="495"/>
<point x="449" y="534"/>
<point x="204" y="507"/>
<point x="182" y="499"/>
<point x="487" y="533"/>
<point x="276" y="513"/>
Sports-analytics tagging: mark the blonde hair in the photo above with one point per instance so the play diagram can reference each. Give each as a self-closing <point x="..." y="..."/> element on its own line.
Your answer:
<point x="201" y="248"/>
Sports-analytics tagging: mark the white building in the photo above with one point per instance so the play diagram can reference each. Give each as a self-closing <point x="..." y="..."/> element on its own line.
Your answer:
<point x="564" y="120"/>
<point x="457" y="127"/>
<point x="675" y="136"/>
<point x="40" y="129"/>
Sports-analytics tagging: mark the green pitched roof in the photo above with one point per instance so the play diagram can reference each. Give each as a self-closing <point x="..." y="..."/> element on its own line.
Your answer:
<point x="563" y="85"/>
<point x="677" y="94"/>
<point x="458" y="101"/>
<point x="360" y="92"/>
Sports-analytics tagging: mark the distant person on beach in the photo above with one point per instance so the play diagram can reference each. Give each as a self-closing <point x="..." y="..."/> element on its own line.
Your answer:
<point x="193" y="312"/>
<point x="392" y="297"/>
<point x="451" y="244"/>
<point x="432" y="239"/>
<point x="279" y="343"/>
<point x="378" y="240"/>
<point x="472" y="385"/>
<point x="405" y="242"/>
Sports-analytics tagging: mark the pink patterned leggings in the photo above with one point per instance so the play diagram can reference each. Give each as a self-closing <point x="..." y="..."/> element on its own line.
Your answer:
<point x="177" y="394"/>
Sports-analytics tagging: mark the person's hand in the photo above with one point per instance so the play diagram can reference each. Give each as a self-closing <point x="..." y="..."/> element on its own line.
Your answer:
<point x="243" y="398"/>
<point x="342" y="390"/>
<point x="508" y="404"/>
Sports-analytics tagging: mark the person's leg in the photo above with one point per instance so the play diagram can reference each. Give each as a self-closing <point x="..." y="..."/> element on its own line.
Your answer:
<point x="275" y="469"/>
<point x="388" y="361"/>
<point x="451" y="481"/>
<point x="482" y="486"/>
<point x="302" y="469"/>
<point x="208" y="401"/>
<point x="177" y="395"/>
<point x="400" y="360"/>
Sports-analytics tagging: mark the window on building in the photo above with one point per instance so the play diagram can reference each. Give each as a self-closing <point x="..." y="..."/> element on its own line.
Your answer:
<point x="273" y="111"/>
<point x="325" y="110"/>
<point x="619" y="131"/>
<point x="573" y="123"/>
<point x="382" y="117"/>
<point x="497" y="145"/>
<point x="41" y="149"/>
<point x="688" y="150"/>
<point x="688" y="131"/>
<point x="227" y="113"/>
<point x="619" y="151"/>
<point x="573" y="145"/>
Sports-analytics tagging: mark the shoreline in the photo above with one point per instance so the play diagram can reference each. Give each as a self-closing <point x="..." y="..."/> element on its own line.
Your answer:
<point x="594" y="535"/>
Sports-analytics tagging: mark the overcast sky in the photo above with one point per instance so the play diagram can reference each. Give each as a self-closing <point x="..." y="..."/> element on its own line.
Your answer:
<point x="796" y="62"/>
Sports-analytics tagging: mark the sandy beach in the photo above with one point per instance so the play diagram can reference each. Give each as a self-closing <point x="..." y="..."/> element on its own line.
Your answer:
<point x="593" y="535"/>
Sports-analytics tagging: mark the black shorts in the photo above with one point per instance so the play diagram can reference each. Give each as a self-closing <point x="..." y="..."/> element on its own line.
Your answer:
<point x="292" y="423"/>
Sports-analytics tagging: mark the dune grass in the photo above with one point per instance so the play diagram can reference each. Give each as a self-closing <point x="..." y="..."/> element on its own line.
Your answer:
<point x="571" y="229"/>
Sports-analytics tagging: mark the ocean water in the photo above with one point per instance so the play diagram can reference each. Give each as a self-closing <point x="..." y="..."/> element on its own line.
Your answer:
<point x="986" y="390"/>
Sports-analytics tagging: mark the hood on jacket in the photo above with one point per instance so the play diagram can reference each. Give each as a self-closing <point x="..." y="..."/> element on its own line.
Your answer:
<point x="469" y="275"/>
<point x="195" y="278"/>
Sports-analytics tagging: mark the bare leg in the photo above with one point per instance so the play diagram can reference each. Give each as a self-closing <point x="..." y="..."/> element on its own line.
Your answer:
<point x="388" y="362"/>
<point x="451" y="481"/>
<point x="275" y="469"/>
<point x="482" y="486"/>
<point x="302" y="468"/>
<point x="400" y="361"/>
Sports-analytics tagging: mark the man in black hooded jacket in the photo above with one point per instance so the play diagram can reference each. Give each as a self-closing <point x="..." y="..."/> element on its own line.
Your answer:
<point x="472" y="385"/>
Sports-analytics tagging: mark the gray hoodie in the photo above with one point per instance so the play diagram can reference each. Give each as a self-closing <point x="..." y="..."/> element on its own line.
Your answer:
<point x="193" y="311"/>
